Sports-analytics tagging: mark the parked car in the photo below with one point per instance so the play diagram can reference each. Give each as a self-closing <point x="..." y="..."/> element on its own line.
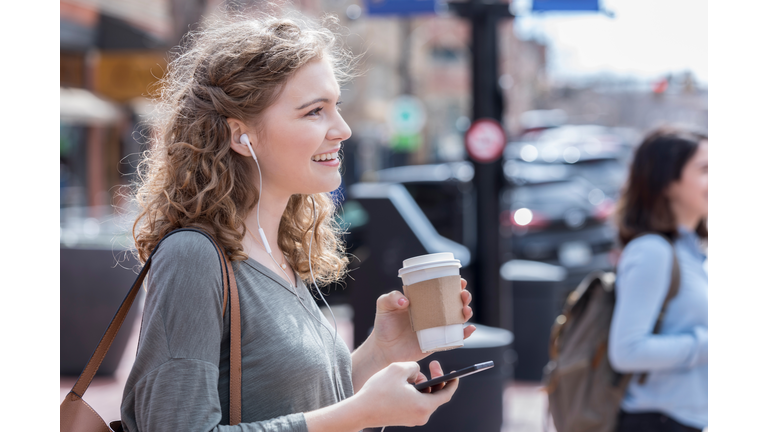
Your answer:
<point x="534" y="122"/>
<point x="570" y="143"/>
<point x="562" y="222"/>
<point x="607" y="173"/>
<point x="568" y="215"/>
<point x="592" y="140"/>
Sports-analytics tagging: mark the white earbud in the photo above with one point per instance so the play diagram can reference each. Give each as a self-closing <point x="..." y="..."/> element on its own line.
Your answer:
<point x="244" y="140"/>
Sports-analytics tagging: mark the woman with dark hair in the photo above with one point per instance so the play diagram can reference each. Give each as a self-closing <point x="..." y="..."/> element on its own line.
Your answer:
<point x="662" y="216"/>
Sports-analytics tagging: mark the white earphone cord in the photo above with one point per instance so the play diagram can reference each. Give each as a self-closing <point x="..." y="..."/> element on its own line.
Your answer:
<point x="339" y="390"/>
<point x="312" y="275"/>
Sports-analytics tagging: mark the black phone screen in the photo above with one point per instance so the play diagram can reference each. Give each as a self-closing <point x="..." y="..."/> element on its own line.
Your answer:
<point x="456" y="374"/>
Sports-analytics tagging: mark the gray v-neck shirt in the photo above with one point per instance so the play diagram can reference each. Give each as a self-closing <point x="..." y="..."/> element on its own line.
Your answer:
<point x="180" y="379"/>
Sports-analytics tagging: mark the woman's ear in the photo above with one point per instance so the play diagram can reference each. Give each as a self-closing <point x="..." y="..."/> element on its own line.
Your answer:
<point x="236" y="129"/>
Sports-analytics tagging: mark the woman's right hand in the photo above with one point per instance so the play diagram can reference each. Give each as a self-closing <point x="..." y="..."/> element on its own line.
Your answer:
<point x="389" y="398"/>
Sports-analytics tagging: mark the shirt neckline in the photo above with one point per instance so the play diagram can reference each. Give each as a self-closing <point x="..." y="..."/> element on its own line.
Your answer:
<point x="268" y="272"/>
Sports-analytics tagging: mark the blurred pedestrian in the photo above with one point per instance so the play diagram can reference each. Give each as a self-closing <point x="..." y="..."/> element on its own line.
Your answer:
<point x="666" y="195"/>
<point x="247" y="141"/>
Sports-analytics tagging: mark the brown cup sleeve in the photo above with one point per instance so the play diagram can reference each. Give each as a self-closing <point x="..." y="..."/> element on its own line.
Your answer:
<point x="435" y="302"/>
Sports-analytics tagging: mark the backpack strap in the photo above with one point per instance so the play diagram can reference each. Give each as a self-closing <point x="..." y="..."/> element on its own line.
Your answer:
<point x="674" y="288"/>
<point x="596" y="276"/>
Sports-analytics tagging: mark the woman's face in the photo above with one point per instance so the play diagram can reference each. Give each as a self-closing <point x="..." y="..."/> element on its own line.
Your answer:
<point x="689" y="194"/>
<point x="301" y="126"/>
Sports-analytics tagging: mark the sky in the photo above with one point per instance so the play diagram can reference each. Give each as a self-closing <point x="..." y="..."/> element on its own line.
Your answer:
<point x="645" y="39"/>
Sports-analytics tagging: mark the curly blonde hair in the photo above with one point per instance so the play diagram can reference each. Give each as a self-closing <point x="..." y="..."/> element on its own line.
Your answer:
<point x="235" y="66"/>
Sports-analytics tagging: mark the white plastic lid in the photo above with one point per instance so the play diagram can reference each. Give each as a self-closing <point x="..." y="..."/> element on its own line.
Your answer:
<point x="422" y="262"/>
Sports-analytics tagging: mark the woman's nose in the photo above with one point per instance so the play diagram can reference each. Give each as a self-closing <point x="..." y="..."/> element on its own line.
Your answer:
<point x="340" y="130"/>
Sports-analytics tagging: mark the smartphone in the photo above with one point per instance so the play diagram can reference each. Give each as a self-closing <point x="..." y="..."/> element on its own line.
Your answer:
<point x="456" y="374"/>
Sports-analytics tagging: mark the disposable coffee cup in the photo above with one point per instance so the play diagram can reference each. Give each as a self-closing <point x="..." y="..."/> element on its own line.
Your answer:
<point x="432" y="284"/>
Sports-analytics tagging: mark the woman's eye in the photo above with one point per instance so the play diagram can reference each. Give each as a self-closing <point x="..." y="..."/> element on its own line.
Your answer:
<point x="317" y="110"/>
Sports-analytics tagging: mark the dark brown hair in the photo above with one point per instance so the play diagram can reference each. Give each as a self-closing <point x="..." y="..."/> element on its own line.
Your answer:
<point x="644" y="205"/>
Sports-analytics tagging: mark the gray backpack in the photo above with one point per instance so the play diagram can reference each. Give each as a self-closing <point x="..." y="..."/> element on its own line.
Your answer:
<point x="584" y="391"/>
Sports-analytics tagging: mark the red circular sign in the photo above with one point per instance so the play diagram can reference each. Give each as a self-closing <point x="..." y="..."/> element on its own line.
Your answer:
<point x="485" y="140"/>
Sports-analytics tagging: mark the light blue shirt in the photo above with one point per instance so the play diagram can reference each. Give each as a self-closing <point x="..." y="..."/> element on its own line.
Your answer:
<point x="676" y="359"/>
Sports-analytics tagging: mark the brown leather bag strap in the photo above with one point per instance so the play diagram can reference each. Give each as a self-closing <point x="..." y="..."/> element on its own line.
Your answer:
<point x="674" y="288"/>
<point x="235" y="352"/>
<point x="86" y="376"/>
<point x="235" y="340"/>
<point x="228" y="277"/>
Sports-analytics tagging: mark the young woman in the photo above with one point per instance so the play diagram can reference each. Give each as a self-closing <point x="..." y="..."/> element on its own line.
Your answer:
<point x="666" y="195"/>
<point x="247" y="149"/>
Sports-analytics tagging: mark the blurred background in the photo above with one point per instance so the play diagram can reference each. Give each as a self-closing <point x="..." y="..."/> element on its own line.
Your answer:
<point x="524" y="200"/>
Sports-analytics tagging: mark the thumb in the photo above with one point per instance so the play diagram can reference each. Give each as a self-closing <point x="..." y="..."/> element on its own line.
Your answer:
<point x="393" y="301"/>
<point x="413" y="370"/>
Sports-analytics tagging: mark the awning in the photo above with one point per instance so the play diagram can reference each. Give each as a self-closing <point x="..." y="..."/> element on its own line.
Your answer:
<point x="79" y="106"/>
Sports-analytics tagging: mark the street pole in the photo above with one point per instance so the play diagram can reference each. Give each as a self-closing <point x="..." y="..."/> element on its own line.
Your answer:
<point x="487" y="103"/>
<point x="404" y="67"/>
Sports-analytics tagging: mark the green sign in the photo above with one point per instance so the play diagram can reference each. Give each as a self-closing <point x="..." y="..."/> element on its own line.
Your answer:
<point x="405" y="143"/>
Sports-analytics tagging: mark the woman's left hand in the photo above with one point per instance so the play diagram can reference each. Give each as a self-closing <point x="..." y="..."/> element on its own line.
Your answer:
<point x="392" y="333"/>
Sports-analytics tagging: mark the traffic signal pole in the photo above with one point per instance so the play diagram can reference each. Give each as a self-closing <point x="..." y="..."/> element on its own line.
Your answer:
<point x="492" y="307"/>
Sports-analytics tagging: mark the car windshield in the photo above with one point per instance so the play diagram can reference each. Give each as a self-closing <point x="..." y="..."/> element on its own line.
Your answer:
<point x="602" y="171"/>
<point x="548" y="192"/>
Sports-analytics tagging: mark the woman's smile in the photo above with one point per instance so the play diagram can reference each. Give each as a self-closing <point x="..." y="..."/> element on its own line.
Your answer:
<point x="328" y="159"/>
<point x="330" y="163"/>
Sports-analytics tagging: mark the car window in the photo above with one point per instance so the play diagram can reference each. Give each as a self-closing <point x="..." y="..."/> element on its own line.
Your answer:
<point x="606" y="171"/>
<point x="547" y="192"/>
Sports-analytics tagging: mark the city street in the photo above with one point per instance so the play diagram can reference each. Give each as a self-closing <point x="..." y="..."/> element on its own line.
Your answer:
<point x="500" y="135"/>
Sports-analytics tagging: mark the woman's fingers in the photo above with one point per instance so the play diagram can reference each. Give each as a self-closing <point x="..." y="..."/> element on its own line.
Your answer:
<point x="393" y="301"/>
<point x="447" y="391"/>
<point x="411" y="370"/>
<point x="468" y="330"/>
<point x="466" y="297"/>
<point x="435" y="371"/>
<point x="421" y="379"/>
<point x="396" y="401"/>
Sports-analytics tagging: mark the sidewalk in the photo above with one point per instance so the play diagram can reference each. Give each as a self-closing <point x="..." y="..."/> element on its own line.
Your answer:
<point x="524" y="402"/>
